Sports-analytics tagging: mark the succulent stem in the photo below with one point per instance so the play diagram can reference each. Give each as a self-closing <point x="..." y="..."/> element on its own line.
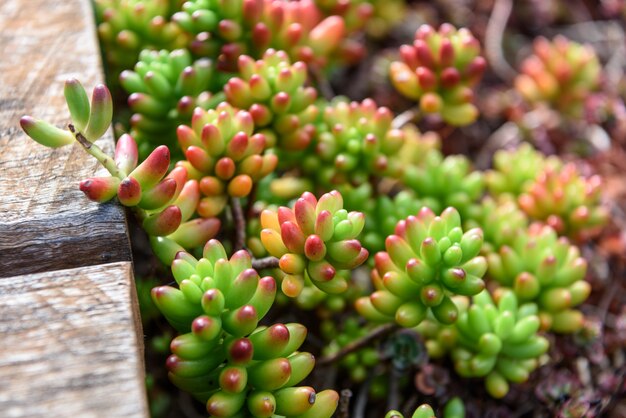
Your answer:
<point x="321" y="82"/>
<point x="408" y="116"/>
<point x="240" y="223"/>
<point x="97" y="152"/>
<point x="375" y="333"/>
<point x="265" y="263"/>
<point x="494" y="37"/>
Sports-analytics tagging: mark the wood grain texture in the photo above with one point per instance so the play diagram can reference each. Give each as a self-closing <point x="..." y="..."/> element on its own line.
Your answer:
<point x="69" y="345"/>
<point x="46" y="223"/>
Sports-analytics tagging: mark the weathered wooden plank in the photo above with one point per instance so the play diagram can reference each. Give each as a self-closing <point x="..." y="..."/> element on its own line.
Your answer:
<point x="45" y="221"/>
<point x="69" y="345"/>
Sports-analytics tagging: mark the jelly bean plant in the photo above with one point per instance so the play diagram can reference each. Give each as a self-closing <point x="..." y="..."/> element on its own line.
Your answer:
<point x="293" y="224"/>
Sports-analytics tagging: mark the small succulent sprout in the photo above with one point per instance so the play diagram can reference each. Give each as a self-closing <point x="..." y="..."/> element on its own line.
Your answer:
<point x="164" y="88"/>
<point x="227" y="290"/>
<point x="90" y="119"/>
<point x="273" y="91"/>
<point x="126" y="27"/>
<point x="358" y="363"/>
<point x="354" y="142"/>
<point x="441" y="182"/>
<point x="560" y="74"/>
<point x="440" y="69"/>
<point x="222" y="356"/>
<point x="514" y="170"/>
<point x="501" y="220"/>
<point x="428" y="259"/>
<point x="144" y="186"/>
<point x="498" y="341"/>
<point x="543" y="268"/>
<point x="224" y="155"/>
<point x="565" y="200"/>
<point x="230" y="28"/>
<point x="315" y="241"/>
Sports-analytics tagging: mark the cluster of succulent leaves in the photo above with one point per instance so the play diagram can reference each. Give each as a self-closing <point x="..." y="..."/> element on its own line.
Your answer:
<point x="222" y="356"/>
<point x="428" y="259"/>
<point x="164" y="89"/>
<point x="497" y="341"/>
<point x="439" y="70"/>
<point x="559" y="74"/>
<point x="315" y="243"/>
<point x="550" y="191"/>
<point x="228" y="87"/>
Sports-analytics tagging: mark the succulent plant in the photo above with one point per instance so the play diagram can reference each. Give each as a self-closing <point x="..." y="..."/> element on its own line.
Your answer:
<point x="543" y="268"/>
<point x="238" y="107"/>
<point x="566" y="201"/>
<point x="355" y="141"/>
<point x="549" y="190"/>
<point x="222" y="356"/>
<point x="560" y="74"/>
<point x="231" y="28"/>
<point x="224" y="155"/>
<point x="441" y="182"/>
<point x="498" y="341"/>
<point x="428" y="260"/>
<point x="126" y="27"/>
<point x="165" y="203"/>
<point x="165" y="87"/>
<point x="273" y="91"/>
<point x="439" y="70"/>
<point x="514" y="170"/>
<point x="315" y="241"/>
